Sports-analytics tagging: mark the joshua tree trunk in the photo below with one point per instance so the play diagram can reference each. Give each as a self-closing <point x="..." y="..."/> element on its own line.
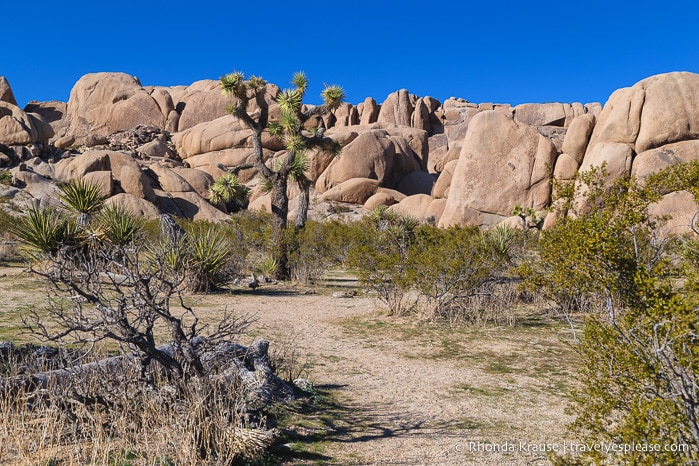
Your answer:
<point x="280" y="211"/>
<point x="304" y="202"/>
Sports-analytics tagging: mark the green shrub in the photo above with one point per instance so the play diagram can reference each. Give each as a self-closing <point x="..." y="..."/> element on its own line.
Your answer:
<point x="314" y="248"/>
<point x="379" y="254"/>
<point x="448" y="266"/>
<point x="639" y="350"/>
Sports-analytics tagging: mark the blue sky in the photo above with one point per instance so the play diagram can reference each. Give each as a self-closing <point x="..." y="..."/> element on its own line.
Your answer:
<point x="485" y="51"/>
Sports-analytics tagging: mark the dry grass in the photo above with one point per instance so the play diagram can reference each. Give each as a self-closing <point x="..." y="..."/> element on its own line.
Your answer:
<point x="109" y="417"/>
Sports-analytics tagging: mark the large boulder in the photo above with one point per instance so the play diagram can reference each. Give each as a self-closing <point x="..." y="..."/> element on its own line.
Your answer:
<point x="397" y="109"/>
<point x="369" y="111"/>
<point x="197" y="179"/>
<point x="203" y="101"/>
<point x="355" y="191"/>
<point x="37" y="186"/>
<point x="678" y="208"/>
<point x="502" y="164"/>
<point x="137" y="206"/>
<point x="222" y="133"/>
<point x="553" y="114"/>
<point x="103" y="179"/>
<point x="125" y="171"/>
<point x="104" y="103"/>
<point x="616" y="158"/>
<point x="6" y="94"/>
<point x="659" y="110"/>
<point x="414" y="206"/>
<point x="194" y="206"/>
<point x="17" y="128"/>
<point x="77" y="167"/>
<point x="169" y="180"/>
<point x="670" y="110"/>
<point x="578" y="135"/>
<point x="383" y="196"/>
<point x="52" y="113"/>
<point x="655" y="160"/>
<point x="370" y="155"/>
<point x="133" y="181"/>
<point x="441" y="187"/>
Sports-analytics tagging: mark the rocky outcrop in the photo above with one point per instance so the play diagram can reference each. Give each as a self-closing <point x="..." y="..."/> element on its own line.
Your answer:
<point x="494" y="174"/>
<point x="101" y="104"/>
<point x="645" y="128"/>
<point x="17" y="128"/>
<point x="376" y="154"/>
<point x="355" y="191"/>
<point x="6" y="94"/>
<point x="454" y="162"/>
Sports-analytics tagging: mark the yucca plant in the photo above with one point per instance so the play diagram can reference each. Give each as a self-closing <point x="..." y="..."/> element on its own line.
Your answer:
<point x="43" y="231"/>
<point x="83" y="198"/>
<point x="499" y="240"/>
<point x="228" y="191"/>
<point x="120" y="226"/>
<point x="209" y="249"/>
<point x="268" y="267"/>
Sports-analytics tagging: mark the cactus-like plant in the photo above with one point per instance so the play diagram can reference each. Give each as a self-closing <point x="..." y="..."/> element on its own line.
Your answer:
<point x="289" y="129"/>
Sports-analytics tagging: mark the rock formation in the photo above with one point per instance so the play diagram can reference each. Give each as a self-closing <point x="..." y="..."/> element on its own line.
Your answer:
<point x="158" y="149"/>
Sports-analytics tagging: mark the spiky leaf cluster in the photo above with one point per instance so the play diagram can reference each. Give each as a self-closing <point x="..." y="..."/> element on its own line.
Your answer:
<point x="234" y="84"/>
<point x="43" y="231"/>
<point x="333" y="96"/>
<point x="227" y="189"/>
<point x="81" y="197"/>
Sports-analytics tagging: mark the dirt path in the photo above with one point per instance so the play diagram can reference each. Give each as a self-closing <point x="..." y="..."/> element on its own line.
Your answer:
<point x="393" y="391"/>
<point x="413" y="394"/>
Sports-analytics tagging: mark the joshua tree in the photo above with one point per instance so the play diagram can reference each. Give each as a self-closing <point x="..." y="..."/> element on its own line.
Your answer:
<point x="289" y="129"/>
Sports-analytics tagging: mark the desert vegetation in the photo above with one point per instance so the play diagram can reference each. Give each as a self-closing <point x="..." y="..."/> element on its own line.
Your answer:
<point x="130" y="355"/>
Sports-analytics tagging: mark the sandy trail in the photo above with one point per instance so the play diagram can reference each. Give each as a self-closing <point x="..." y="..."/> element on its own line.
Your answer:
<point x="395" y="404"/>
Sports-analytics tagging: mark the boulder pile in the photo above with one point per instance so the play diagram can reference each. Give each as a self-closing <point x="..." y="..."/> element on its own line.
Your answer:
<point x="158" y="149"/>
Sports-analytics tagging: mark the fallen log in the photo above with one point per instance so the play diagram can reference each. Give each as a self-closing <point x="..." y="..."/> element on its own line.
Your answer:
<point x="226" y="362"/>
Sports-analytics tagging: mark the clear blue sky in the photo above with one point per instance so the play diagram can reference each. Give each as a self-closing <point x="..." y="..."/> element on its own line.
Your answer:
<point x="484" y="51"/>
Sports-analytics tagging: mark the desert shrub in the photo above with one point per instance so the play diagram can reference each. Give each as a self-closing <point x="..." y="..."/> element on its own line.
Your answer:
<point x="456" y="271"/>
<point x="396" y="258"/>
<point x="379" y="254"/>
<point x="43" y="231"/>
<point x="5" y="177"/>
<point x="120" y="226"/>
<point x="639" y="376"/>
<point x="209" y="254"/>
<point x="316" y="247"/>
<point x="639" y="353"/>
<point x="192" y="400"/>
<point x="494" y="304"/>
<point x="254" y="229"/>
